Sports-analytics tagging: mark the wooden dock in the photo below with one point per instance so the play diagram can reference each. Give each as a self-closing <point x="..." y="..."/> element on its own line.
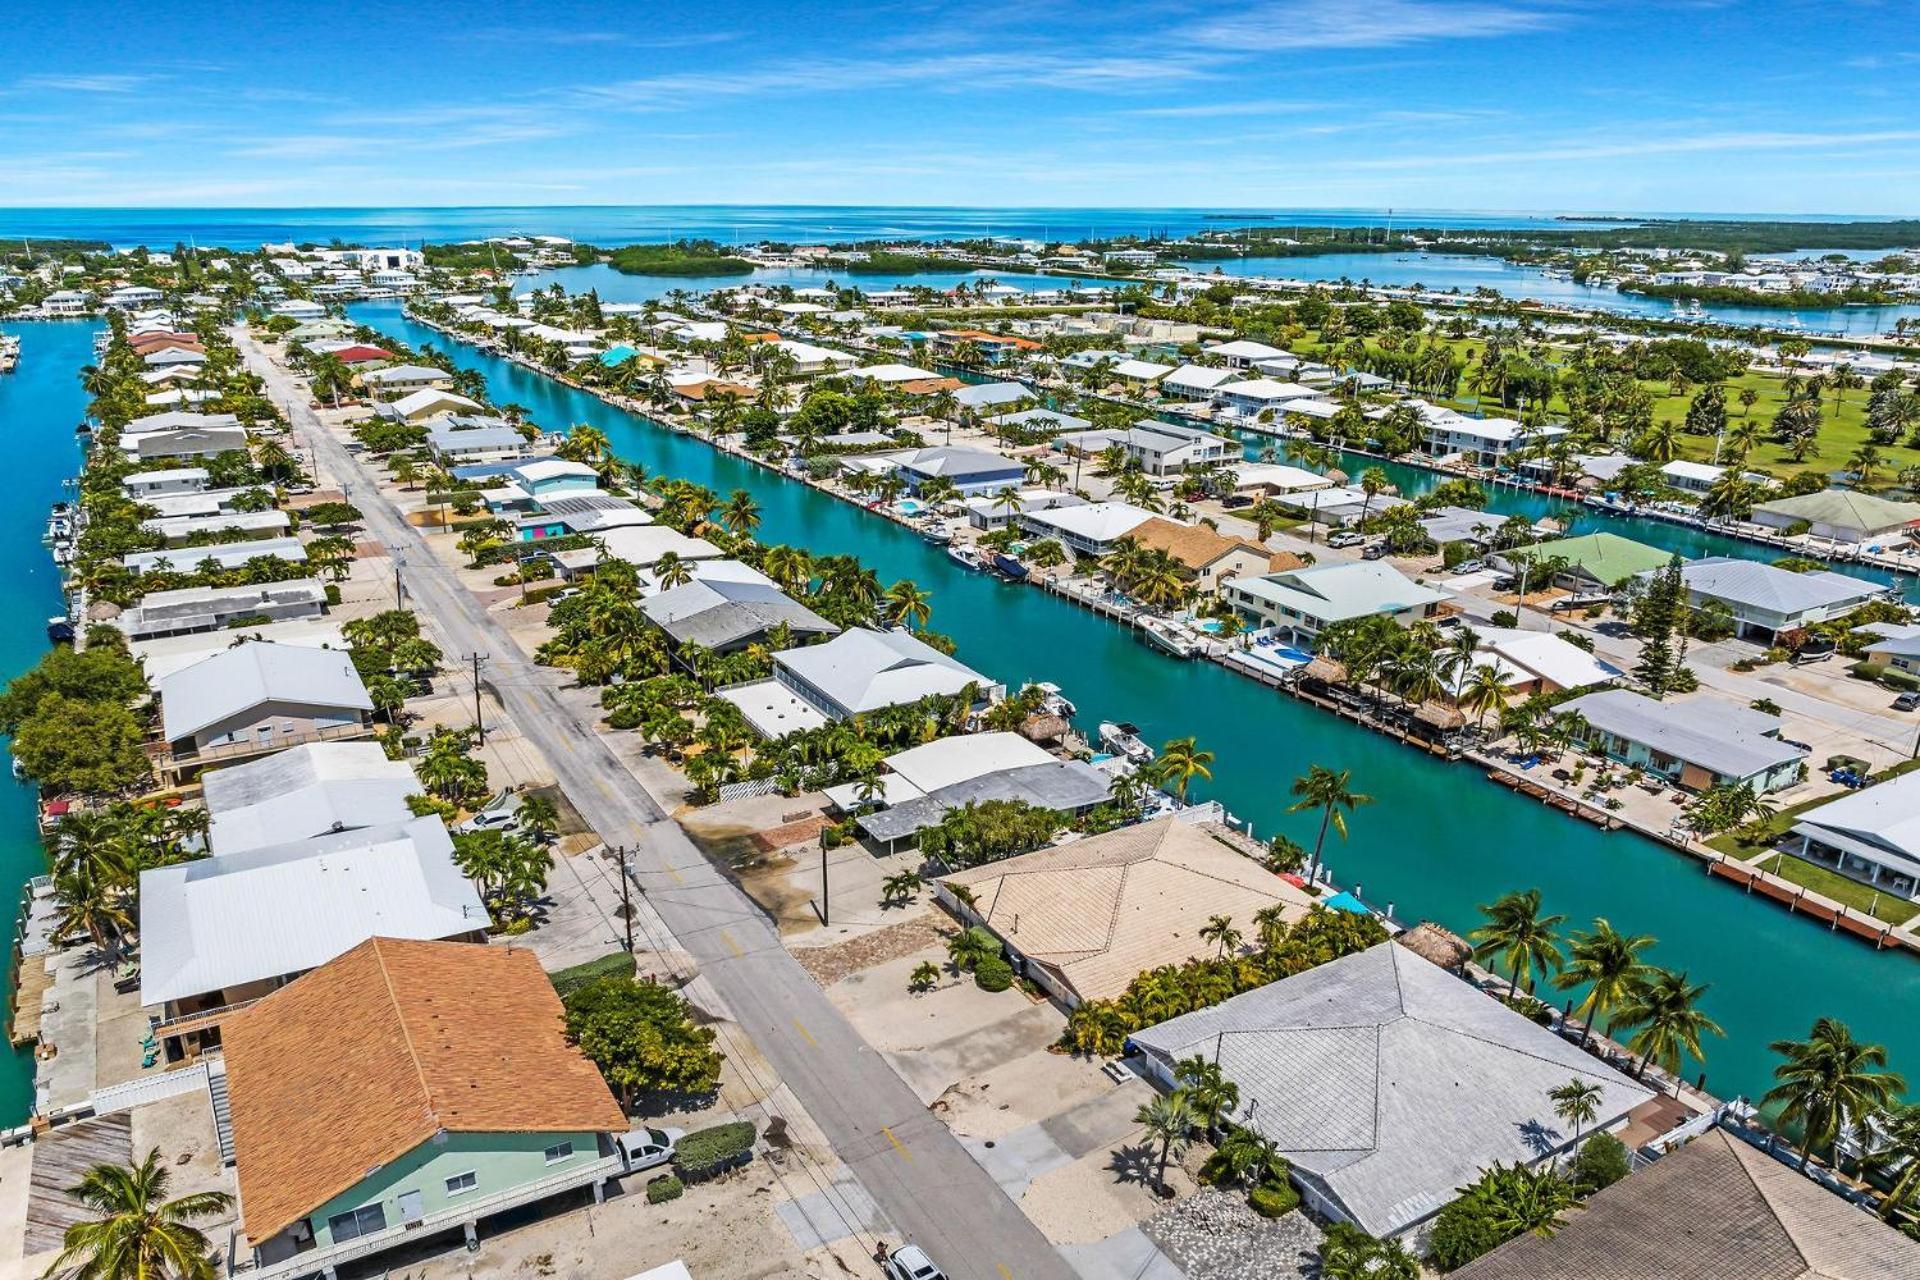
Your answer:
<point x="61" y="1157"/>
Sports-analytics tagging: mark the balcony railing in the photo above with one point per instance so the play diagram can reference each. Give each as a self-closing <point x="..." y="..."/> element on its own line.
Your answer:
<point x="200" y="1019"/>
<point x="164" y="757"/>
<point x="315" y="1260"/>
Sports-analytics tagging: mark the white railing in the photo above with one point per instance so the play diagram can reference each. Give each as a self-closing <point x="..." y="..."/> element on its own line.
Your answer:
<point x="144" y="1089"/>
<point x="315" y="1260"/>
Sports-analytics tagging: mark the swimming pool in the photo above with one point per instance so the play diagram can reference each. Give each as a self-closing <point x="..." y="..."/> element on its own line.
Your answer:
<point x="910" y="506"/>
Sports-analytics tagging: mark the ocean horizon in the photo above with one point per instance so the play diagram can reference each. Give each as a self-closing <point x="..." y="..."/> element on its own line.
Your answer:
<point x="247" y="227"/>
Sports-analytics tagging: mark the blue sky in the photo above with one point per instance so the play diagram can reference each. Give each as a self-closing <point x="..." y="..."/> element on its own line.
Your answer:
<point x="1558" y="105"/>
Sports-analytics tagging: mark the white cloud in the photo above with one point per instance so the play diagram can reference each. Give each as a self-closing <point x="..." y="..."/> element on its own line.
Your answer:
<point x="1331" y="24"/>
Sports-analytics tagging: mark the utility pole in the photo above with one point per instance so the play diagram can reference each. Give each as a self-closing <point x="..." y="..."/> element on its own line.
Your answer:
<point x="826" y="911"/>
<point x="480" y="725"/>
<point x="399" y="563"/>
<point x="626" y="901"/>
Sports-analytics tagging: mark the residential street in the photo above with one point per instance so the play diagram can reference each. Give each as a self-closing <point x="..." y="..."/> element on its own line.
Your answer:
<point x="919" y="1175"/>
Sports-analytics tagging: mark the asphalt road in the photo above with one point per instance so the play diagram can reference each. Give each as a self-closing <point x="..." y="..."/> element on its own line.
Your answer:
<point x="911" y="1165"/>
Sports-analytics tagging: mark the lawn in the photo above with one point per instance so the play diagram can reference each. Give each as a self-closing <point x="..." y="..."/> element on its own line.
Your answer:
<point x="1833" y="885"/>
<point x="1844" y="428"/>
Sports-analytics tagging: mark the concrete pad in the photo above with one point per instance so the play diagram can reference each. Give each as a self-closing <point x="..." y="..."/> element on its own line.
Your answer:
<point x="1100" y="1122"/>
<point x="1021" y="1091"/>
<point x="1017" y="1159"/>
<point x="1124" y="1255"/>
<point x="931" y="1069"/>
<point x="840" y="1210"/>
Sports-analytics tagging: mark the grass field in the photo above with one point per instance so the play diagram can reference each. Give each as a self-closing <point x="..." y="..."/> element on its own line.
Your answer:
<point x="1832" y="884"/>
<point x="1844" y="431"/>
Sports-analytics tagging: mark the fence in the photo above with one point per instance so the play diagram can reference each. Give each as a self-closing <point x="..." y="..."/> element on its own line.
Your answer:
<point x="749" y="789"/>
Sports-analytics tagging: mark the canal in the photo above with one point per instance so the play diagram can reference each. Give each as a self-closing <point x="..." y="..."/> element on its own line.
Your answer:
<point x="1437" y="840"/>
<point x="39" y="404"/>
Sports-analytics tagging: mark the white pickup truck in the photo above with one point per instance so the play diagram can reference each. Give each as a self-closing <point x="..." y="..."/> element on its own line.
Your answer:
<point x="645" y="1148"/>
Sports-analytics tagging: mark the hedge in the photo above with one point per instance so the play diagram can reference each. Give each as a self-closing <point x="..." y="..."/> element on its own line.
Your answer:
<point x="1273" y="1199"/>
<point x="708" y="1153"/>
<point x="993" y="974"/>
<point x="661" y="1190"/>
<point x="567" y="981"/>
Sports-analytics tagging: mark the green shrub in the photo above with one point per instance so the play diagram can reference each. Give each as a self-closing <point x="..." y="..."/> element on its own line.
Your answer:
<point x="1601" y="1163"/>
<point x="1273" y="1199"/>
<point x="539" y="594"/>
<point x="333" y="593"/>
<point x="993" y="974"/>
<point x="1505" y="618"/>
<point x="1893" y="678"/>
<point x="249" y="620"/>
<point x="708" y="1153"/>
<point x="566" y="981"/>
<point x="661" y="1190"/>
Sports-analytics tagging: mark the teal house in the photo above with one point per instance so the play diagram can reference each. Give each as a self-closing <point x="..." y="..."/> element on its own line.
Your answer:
<point x="407" y="1090"/>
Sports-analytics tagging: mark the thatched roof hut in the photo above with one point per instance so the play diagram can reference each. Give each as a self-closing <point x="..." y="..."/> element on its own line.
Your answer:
<point x="1440" y="946"/>
<point x="1326" y="670"/>
<point x="1441" y="716"/>
<point x="1042" y="727"/>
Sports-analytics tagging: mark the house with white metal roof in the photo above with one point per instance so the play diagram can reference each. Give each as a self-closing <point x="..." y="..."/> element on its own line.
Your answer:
<point x="270" y="523"/>
<point x="1696" y="743"/>
<point x="256" y="698"/>
<point x="988" y="397"/>
<point x="219" y="933"/>
<point x="1307" y="601"/>
<point x="1766" y="600"/>
<point x="305" y="791"/>
<point x="1089" y="529"/>
<point x="1388" y="1084"/>
<point x="228" y="555"/>
<point x="398" y="379"/>
<point x="1871" y="835"/>
<point x="1242" y="353"/>
<point x="142" y="485"/>
<point x="1196" y="381"/>
<point x="862" y="670"/>
<point x="454" y="447"/>
<point x="189" y="609"/>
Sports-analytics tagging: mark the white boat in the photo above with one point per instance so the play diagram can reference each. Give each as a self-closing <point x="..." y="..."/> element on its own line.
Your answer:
<point x="966" y="557"/>
<point x="1169" y="637"/>
<point x="1052" y="701"/>
<point x="937" y="533"/>
<point x="1123" y="739"/>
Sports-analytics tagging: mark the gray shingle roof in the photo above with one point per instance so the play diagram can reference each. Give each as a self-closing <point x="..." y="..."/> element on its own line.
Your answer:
<point x="1714" y="1210"/>
<point x="1730" y="741"/>
<point x="1388" y="1081"/>
<point x="717" y="613"/>
<point x="1062" y="786"/>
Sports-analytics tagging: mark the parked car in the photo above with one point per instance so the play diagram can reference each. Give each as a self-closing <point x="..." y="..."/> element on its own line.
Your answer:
<point x="1470" y="566"/>
<point x="1907" y="702"/>
<point x="1346" y="539"/>
<point x="644" y="1148"/>
<point x="910" y="1262"/>
<point x="1378" y="551"/>
<point x="502" y="813"/>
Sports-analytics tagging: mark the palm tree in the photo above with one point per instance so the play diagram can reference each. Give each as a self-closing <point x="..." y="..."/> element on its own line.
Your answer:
<point x="140" y="1234"/>
<point x="1207" y="1088"/>
<point x="1523" y="939"/>
<point x="898" y="889"/>
<point x="1169" y="1119"/>
<point x="970" y="946"/>
<point x="1180" y="762"/>
<point x="1219" y="930"/>
<point x="1896" y="1156"/>
<point x="907" y="603"/>
<point x="1578" y="1103"/>
<point x="741" y="514"/>
<point x="1607" y="963"/>
<point x="1829" y="1083"/>
<point x="1483" y="692"/>
<point x="1330" y="791"/>
<point x="671" y="571"/>
<point x="1663" y="1008"/>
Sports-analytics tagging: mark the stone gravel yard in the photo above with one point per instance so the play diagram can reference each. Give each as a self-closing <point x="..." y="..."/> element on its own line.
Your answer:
<point x="1212" y="1235"/>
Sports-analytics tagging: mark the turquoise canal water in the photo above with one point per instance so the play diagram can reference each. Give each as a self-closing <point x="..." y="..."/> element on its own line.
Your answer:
<point x="39" y="404"/>
<point x="1436" y="842"/>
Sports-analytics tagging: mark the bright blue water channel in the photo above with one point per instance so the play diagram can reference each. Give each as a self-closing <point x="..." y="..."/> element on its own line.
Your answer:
<point x="1437" y="841"/>
<point x="39" y="404"/>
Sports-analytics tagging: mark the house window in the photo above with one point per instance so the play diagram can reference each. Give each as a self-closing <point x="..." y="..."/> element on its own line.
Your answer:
<point x="559" y="1151"/>
<point x="365" y="1221"/>
<point x="462" y="1182"/>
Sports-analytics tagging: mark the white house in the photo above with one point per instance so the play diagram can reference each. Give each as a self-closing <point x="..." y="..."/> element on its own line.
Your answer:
<point x="1090" y="529"/>
<point x="1306" y="601"/>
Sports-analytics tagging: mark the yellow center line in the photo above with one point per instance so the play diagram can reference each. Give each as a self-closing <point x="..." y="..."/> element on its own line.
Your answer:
<point x="904" y="1153"/>
<point x="731" y="944"/>
<point x="806" y="1034"/>
<point x="1001" y="1267"/>
<point x="677" y="878"/>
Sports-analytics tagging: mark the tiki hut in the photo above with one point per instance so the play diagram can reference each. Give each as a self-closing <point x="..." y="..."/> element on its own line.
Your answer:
<point x="1325" y="670"/>
<point x="1043" y="727"/>
<point x="1440" y="946"/>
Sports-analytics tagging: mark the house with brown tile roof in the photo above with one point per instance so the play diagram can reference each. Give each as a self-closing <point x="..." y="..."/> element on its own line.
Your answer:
<point x="403" y="1090"/>
<point x="1211" y="557"/>
<point x="1088" y="916"/>
<point x="1714" y="1209"/>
